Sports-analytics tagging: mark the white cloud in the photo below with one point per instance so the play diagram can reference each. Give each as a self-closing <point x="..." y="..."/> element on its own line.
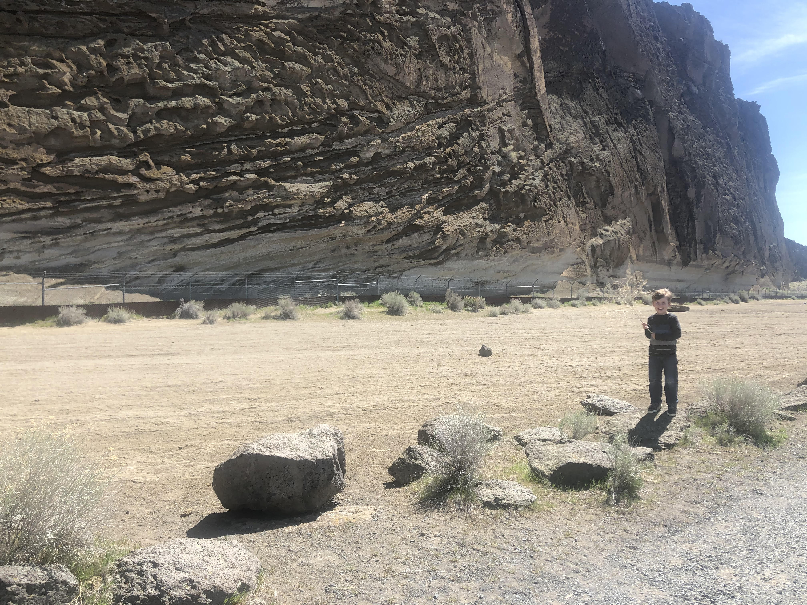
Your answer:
<point x="765" y="48"/>
<point x="778" y="83"/>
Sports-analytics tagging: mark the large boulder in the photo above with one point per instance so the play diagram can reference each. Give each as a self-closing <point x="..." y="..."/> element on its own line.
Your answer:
<point x="658" y="433"/>
<point x="434" y="432"/>
<point x="416" y="461"/>
<point x="284" y="473"/>
<point x="37" y="585"/>
<point x="544" y="434"/>
<point x="504" y="494"/>
<point x="607" y="406"/>
<point x="569" y="464"/>
<point x="185" y="572"/>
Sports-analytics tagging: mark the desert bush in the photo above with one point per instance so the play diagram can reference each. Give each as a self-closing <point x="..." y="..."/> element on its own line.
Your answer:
<point x="352" y="309"/>
<point x="538" y="303"/>
<point x="414" y="299"/>
<point x="52" y="501"/>
<point x="514" y="307"/>
<point x="700" y="302"/>
<point x="743" y="296"/>
<point x="474" y="303"/>
<point x="287" y="308"/>
<point x="553" y="303"/>
<point x="189" y="310"/>
<point x="210" y="317"/>
<point x="454" y="301"/>
<point x="647" y="299"/>
<point x="734" y="299"/>
<point x="71" y="316"/>
<point x="464" y="444"/>
<point x="494" y="312"/>
<point x="396" y="303"/>
<point x="577" y="303"/>
<point x="739" y="407"/>
<point x="578" y="424"/>
<point x="117" y="315"/>
<point x="625" y="477"/>
<point x="754" y="296"/>
<point x="238" y="311"/>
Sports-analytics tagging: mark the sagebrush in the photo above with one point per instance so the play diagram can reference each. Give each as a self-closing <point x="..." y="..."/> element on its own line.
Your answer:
<point x="474" y="303"/>
<point x="71" y="316"/>
<point x="395" y="303"/>
<point x="553" y="303"/>
<point x="414" y="299"/>
<point x="189" y="310"/>
<point x="210" y="317"/>
<point x="740" y="407"/>
<point x="352" y="309"/>
<point x="514" y="307"/>
<point x="454" y="301"/>
<point x="625" y="477"/>
<point x="538" y="303"/>
<point x="578" y="424"/>
<point x="52" y="501"/>
<point x="117" y="315"/>
<point x="238" y="311"/>
<point x="287" y="308"/>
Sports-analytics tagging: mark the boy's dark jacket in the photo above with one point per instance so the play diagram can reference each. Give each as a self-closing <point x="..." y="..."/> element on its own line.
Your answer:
<point x="667" y="331"/>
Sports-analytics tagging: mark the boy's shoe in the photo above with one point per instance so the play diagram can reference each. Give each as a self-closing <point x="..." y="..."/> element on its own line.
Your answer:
<point x="671" y="414"/>
<point x="653" y="409"/>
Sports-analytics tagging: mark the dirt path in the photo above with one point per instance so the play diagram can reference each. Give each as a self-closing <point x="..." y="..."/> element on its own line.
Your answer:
<point x="162" y="402"/>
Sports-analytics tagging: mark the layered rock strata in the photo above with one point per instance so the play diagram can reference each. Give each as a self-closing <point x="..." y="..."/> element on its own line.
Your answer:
<point x="554" y="136"/>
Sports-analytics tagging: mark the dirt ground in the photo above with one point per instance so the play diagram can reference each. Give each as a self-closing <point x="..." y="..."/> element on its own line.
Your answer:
<point x="161" y="402"/>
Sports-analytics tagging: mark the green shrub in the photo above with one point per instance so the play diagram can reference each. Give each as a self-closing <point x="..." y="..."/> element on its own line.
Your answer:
<point x="700" y="302"/>
<point x="454" y="301"/>
<point x="553" y="303"/>
<point x="538" y="303"/>
<point x="514" y="307"/>
<point x="189" y="310"/>
<point x="117" y="315"/>
<point x="494" y="312"/>
<point x="625" y="477"/>
<point x="352" y="309"/>
<point x="578" y="424"/>
<point x="734" y="299"/>
<point x="71" y="316"/>
<point x="740" y="407"/>
<point x="396" y="303"/>
<point x="414" y="299"/>
<point x="474" y="303"/>
<point x="210" y="317"/>
<point x="743" y="296"/>
<point x="577" y="303"/>
<point x="287" y="308"/>
<point x="52" y="501"/>
<point x="754" y="296"/>
<point x="238" y="311"/>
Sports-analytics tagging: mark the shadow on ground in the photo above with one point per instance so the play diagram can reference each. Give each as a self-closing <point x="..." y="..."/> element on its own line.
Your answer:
<point x="233" y="523"/>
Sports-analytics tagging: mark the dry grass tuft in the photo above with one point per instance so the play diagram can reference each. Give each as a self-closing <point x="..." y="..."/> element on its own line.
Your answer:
<point x="352" y="309"/>
<point x="739" y="408"/>
<point x="117" y="315"/>
<point x="189" y="310"/>
<point x="71" y="316"/>
<point x="578" y="424"/>
<point x="625" y="478"/>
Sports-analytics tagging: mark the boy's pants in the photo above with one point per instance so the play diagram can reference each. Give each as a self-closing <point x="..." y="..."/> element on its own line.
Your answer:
<point x="669" y="365"/>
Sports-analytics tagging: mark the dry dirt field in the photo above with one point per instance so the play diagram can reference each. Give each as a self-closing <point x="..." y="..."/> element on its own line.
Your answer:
<point x="161" y="402"/>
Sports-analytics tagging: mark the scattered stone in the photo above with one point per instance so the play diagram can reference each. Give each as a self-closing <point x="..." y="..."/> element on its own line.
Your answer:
<point x="429" y="433"/>
<point x="795" y="400"/>
<point x="504" y="494"/>
<point x="185" y="572"/>
<point x="485" y="351"/>
<point x="607" y="406"/>
<point x="569" y="464"/>
<point x="416" y="461"/>
<point x="37" y="585"/>
<point x="550" y="434"/>
<point x="284" y="473"/>
<point x="782" y="415"/>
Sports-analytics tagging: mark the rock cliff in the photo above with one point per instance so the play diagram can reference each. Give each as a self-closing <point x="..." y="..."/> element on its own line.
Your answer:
<point x="540" y="137"/>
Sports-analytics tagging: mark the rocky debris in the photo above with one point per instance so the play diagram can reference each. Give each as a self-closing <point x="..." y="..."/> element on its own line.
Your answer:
<point x="504" y="494"/>
<point x="284" y="473"/>
<point x="569" y="464"/>
<point x="416" y="461"/>
<point x="37" y="585"/>
<point x="186" y="571"/>
<point x="607" y="406"/>
<point x="550" y="434"/>
<point x="783" y="415"/>
<point x="644" y="454"/>
<point x="485" y="351"/>
<point x="658" y="433"/>
<point x="795" y="400"/>
<point x="430" y="433"/>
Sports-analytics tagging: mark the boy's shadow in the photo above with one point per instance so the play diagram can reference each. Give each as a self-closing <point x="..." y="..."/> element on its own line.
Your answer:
<point x="217" y="525"/>
<point x="649" y="430"/>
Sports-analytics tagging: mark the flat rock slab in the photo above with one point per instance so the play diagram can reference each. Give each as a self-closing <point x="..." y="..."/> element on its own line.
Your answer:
<point x="607" y="406"/>
<point x="544" y="434"/>
<point x="795" y="400"/>
<point x="659" y="432"/>
<point x="569" y="464"/>
<point x="435" y="431"/>
<point x="416" y="461"/>
<point x="284" y="473"/>
<point x="37" y="585"/>
<point x="504" y="494"/>
<point x="185" y="572"/>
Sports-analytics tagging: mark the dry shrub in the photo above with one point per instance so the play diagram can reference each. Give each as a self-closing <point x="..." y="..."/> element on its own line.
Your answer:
<point x="553" y="303"/>
<point x="577" y="303"/>
<point x="287" y="308"/>
<point x="538" y="303"/>
<point x="210" y="317"/>
<point x="743" y="296"/>
<point x="52" y="501"/>
<point x="117" y="315"/>
<point x="578" y="424"/>
<point x="625" y="477"/>
<point x="514" y="307"/>
<point x="454" y="301"/>
<point x="352" y="309"/>
<point x="736" y="407"/>
<point x="238" y="311"/>
<point x="71" y="316"/>
<point x="474" y="303"/>
<point x="395" y="302"/>
<point x="494" y="312"/>
<point x="189" y="310"/>
<point x="414" y="299"/>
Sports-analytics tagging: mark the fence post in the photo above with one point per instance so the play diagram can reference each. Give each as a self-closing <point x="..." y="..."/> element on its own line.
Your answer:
<point x="246" y="287"/>
<point x="190" y="289"/>
<point x="337" y="290"/>
<point x="43" y="287"/>
<point x="124" y="290"/>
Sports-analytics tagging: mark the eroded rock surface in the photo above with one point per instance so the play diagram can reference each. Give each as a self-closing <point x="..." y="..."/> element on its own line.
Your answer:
<point x="435" y="433"/>
<point x="37" y="585"/>
<point x="549" y="434"/>
<point x="569" y="464"/>
<point x="607" y="406"/>
<point x="416" y="461"/>
<point x="504" y="494"/>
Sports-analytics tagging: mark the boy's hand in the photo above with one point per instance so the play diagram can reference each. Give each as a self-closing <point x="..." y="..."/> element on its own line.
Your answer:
<point x="644" y="325"/>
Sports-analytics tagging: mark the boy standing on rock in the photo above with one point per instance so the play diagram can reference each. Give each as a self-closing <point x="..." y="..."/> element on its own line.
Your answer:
<point x="663" y="330"/>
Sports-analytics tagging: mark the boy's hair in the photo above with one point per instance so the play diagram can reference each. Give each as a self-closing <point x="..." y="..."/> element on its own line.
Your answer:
<point x="662" y="293"/>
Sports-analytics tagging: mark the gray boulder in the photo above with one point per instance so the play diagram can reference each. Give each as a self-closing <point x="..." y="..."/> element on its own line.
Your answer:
<point x="185" y="572"/>
<point x="795" y="400"/>
<point x="430" y="433"/>
<point x="545" y="434"/>
<point x="284" y="473"/>
<point x="416" y="461"/>
<point x="504" y="494"/>
<point x="607" y="406"/>
<point x="37" y="585"/>
<point x="485" y="351"/>
<point x="658" y="433"/>
<point x="569" y="464"/>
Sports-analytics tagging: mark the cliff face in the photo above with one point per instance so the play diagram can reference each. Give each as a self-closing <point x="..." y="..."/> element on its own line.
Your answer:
<point x="380" y="136"/>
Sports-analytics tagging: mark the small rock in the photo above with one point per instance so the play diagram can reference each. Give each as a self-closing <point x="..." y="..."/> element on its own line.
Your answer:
<point x="607" y="406"/>
<point x="485" y="351"/>
<point x="569" y="464"/>
<point x="550" y="434"/>
<point x="416" y="461"/>
<point x="430" y="433"/>
<point x="504" y="494"/>
<point x="37" y="585"/>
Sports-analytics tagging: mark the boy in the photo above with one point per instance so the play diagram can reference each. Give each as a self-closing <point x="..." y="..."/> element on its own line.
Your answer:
<point x="663" y="330"/>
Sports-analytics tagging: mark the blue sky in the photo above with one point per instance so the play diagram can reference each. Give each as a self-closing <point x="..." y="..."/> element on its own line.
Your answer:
<point x="768" y="42"/>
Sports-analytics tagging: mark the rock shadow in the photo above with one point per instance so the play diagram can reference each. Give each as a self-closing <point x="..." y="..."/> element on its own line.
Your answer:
<point x="233" y="523"/>
<point x="648" y="430"/>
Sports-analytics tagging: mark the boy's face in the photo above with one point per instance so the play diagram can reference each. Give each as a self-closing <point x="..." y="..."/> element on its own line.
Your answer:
<point x="661" y="305"/>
